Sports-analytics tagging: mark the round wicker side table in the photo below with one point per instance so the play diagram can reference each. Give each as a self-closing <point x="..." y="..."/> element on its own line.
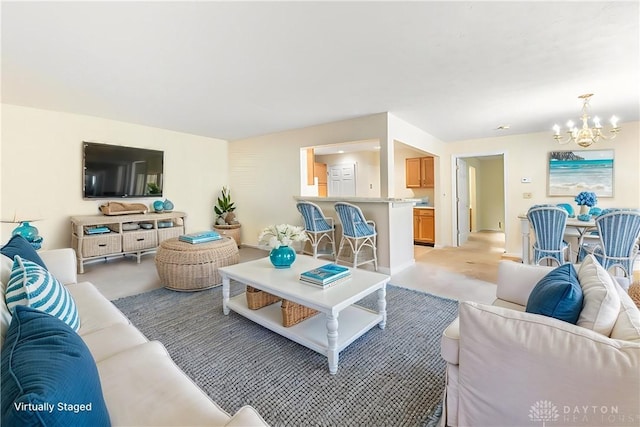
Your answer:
<point x="193" y="267"/>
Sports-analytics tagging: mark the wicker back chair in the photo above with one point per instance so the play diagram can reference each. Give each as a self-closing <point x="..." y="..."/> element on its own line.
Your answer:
<point x="549" y="224"/>
<point x="617" y="246"/>
<point x="357" y="232"/>
<point x="319" y="228"/>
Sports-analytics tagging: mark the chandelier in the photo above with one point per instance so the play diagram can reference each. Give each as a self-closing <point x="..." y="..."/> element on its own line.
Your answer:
<point x="585" y="136"/>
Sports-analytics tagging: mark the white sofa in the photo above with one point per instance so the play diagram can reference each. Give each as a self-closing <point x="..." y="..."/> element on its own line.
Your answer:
<point x="506" y="367"/>
<point x="141" y="385"/>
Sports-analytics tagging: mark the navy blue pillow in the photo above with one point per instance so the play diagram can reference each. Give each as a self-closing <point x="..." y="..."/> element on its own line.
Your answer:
<point x="18" y="245"/>
<point x="49" y="377"/>
<point x="558" y="295"/>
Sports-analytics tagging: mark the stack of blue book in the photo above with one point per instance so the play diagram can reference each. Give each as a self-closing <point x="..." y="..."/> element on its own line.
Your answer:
<point x="326" y="276"/>
<point x="200" y="237"/>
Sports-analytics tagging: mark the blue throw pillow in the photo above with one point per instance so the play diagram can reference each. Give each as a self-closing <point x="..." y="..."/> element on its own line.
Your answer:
<point x="49" y="377"/>
<point x="558" y="295"/>
<point x="33" y="286"/>
<point x="18" y="245"/>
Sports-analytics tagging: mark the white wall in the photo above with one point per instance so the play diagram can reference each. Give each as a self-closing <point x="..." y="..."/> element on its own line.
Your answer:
<point x="42" y="161"/>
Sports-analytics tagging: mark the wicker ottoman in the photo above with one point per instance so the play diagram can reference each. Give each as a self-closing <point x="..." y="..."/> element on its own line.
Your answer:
<point x="186" y="267"/>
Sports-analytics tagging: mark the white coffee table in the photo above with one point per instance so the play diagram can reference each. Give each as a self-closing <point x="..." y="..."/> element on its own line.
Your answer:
<point x="323" y="334"/>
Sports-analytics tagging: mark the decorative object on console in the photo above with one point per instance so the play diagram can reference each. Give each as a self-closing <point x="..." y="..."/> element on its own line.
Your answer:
<point x="158" y="206"/>
<point x="279" y="236"/>
<point x="586" y="136"/>
<point x="167" y="205"/>
<point x="119" y="208"/>
<point x="126" y="226"/>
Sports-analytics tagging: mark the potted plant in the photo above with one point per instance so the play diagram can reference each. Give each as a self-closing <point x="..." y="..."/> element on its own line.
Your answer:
<point x="226" y="222"/>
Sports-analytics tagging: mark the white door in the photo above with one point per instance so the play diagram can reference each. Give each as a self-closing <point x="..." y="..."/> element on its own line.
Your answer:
<point x="342" y="180"/>
<point x="462" y="199"/>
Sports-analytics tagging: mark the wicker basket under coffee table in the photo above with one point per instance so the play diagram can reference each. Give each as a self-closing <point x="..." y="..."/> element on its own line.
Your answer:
<point x="192" y="267"/>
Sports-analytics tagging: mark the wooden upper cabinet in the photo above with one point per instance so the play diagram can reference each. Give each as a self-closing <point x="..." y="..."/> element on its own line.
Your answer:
<point x="419" y="172"/>
<point x="426" y="164"/>
<point x="413" y="172"/>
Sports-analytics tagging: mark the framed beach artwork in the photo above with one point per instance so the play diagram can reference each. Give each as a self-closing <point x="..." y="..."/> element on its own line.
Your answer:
<point x="570" y="172"/>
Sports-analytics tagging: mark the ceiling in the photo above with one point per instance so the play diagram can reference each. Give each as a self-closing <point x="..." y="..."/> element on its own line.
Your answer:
<point x="231" y="70"/>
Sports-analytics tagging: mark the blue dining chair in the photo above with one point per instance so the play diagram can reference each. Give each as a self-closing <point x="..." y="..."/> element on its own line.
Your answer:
<point x="617" y="245"/>
<point x="318" y="227"/>
<point x="358" y="232"/>
<point x="549" y="223"/>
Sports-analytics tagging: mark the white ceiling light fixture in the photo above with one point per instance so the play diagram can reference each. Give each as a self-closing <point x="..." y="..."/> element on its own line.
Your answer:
<point x="585" y="136"/>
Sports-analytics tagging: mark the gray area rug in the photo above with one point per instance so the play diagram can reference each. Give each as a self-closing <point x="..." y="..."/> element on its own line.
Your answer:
<point x="390" y="377"/>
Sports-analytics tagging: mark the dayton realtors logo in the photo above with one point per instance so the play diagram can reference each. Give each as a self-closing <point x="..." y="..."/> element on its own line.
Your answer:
<point x="543" y="411"/>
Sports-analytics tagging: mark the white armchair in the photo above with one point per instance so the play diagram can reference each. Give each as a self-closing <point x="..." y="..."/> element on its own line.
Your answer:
<point x="507" y="367"/>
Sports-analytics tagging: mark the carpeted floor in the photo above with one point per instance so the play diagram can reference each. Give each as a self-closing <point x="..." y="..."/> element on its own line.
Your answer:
<point x="390" y="377"/>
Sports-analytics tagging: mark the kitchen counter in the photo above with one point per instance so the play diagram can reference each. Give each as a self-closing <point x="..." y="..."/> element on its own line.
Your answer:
<point x="394" y="225"/>
<point x="357" y="200"/>
<point x="423" y="207"/>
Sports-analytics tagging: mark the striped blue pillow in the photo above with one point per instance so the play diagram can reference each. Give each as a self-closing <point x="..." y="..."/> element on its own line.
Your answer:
<point x="33" y="286"/>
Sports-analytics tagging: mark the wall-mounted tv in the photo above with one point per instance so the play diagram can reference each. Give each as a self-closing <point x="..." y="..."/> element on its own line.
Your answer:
<point x="115" y="171"/>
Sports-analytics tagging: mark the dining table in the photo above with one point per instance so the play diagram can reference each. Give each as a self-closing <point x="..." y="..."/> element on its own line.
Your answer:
<point x="575" y="228"/>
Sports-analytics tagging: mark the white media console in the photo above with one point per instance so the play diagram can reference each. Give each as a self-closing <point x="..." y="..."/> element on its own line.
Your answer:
<point x="120" y="234"/>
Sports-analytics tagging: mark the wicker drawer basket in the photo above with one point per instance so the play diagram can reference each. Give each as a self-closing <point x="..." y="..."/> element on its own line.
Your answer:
<point x="294" y="313"/>
<point x="101" y="245"/>
<point x="169" y="232"/>
<point x="139" y="240"/>
<point x="257" y="299"/>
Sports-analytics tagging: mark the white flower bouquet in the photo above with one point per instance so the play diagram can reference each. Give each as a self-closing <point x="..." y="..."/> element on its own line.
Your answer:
<point x="281" y="235"/>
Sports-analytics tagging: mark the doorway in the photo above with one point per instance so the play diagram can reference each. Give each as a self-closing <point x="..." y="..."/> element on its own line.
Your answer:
<point x="480" y="203"/>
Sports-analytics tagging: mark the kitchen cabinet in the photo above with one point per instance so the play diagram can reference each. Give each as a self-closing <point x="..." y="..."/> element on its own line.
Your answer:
<point x="320" y="172"/>
<point x="419" y="172"/>
<point x="424" y="221"/>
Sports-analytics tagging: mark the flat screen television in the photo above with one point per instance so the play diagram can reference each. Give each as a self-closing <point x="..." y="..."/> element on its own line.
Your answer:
<point x="115" y="171"/>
